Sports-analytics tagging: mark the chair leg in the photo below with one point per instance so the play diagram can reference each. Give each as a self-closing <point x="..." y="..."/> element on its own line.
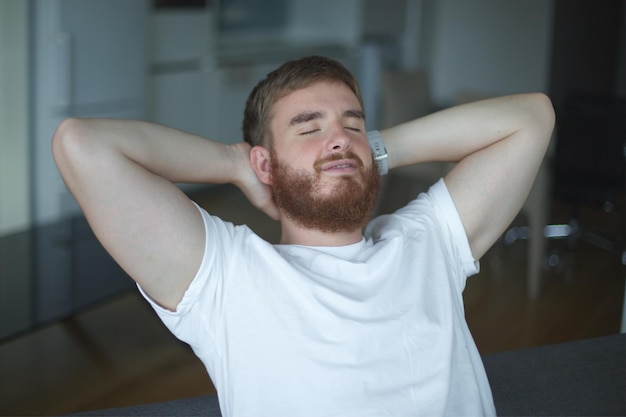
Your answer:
<point x="536" y="254"/>
<point x="537" y="218"/>
<point x="623" y="327"/>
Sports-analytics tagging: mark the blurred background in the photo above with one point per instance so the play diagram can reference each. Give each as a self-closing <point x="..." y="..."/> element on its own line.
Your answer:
<point x="556" y="275"/>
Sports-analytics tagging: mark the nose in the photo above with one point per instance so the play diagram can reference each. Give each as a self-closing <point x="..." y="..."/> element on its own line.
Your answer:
<point x="339" y="140"/>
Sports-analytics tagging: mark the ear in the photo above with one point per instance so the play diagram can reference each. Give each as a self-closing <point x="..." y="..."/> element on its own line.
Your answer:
<point x="260" y="163"/>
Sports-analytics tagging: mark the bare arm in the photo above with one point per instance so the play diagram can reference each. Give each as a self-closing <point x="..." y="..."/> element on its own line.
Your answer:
<point x="122" y="173"/>
<point x="499" y="145"/>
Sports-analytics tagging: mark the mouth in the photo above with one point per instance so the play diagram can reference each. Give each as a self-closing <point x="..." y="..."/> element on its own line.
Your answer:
<point x="346" y="164"/>
<point x="342" y="166"/>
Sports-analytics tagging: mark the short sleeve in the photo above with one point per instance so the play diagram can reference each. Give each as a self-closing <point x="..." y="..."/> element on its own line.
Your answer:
<point x="449" y="215"/>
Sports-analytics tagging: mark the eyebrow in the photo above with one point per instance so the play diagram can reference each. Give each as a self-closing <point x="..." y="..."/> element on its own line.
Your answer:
<point x="358" y="114"/>
<point x="308" y="116"/>
<point x="305" y="117"/>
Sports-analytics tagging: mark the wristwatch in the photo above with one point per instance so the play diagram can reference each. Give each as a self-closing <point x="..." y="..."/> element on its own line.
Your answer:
<point x="378" y="151"/>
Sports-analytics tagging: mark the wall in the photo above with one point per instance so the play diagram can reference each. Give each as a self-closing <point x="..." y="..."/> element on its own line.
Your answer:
<point x="178" y="63"/>
<point x="489" y="47"/>
<point x="486" y="46"/>
<point x="341" y="21"/>
<point x="14" y="150"/>
<point x="201" y="76"/>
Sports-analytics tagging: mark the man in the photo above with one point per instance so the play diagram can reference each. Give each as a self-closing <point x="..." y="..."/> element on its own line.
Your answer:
<point x="331" y="321"/>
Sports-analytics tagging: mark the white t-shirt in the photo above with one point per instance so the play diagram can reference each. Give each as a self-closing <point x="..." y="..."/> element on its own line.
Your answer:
<point x="376" y="328"/>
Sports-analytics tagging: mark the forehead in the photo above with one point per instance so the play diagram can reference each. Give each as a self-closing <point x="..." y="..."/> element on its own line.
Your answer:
<point x="325" y="97"/>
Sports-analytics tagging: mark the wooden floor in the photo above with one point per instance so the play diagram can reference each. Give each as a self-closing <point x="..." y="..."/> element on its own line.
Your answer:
<point x="118" y="353"/>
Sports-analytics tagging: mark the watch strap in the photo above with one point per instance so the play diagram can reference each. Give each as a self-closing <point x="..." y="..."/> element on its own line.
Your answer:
<point x="378" y="151"/>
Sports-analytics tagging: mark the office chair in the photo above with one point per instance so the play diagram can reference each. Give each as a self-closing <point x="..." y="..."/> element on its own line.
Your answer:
<point x="589" y="167"/>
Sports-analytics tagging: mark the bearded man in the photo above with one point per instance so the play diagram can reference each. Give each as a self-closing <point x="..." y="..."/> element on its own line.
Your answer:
<point x="344" y="316"/>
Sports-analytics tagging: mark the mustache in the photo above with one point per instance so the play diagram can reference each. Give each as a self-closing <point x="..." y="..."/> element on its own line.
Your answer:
<point x="337" y="157"/>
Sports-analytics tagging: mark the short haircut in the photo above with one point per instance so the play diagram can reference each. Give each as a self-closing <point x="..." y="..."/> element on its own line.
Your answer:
<point x="291" y="76"/>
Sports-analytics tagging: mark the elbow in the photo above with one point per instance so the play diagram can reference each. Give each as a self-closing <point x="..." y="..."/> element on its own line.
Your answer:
<point x="544" y="112"/>
<point x="539" y="117"/>
<point x="62" y="132"/>
<point x="65" y="143"/>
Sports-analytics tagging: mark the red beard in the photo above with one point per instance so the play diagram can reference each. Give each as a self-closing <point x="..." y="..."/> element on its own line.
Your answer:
<point x="346" y="208"/>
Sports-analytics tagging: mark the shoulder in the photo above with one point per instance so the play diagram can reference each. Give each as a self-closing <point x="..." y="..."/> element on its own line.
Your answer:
<point x="418" y="213"/>
<point x="430" y="219"/>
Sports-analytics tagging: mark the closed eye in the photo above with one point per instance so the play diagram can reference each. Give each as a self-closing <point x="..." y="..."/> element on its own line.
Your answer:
<point x="309" y="132"/>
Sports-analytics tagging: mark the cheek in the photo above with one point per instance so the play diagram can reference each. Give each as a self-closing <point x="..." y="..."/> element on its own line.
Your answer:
<point x="364" y="152"/>
<point x="303" y="156"/>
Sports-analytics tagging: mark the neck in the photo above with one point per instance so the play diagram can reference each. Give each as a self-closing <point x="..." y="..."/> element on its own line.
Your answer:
<point x="292" y="234"/>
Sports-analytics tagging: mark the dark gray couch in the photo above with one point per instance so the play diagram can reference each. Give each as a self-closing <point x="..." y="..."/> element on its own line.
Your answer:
<point x="581" y="378"/>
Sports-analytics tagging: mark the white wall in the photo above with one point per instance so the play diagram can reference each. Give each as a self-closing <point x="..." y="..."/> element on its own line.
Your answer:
<point x="489" y="47"/>
<point x="14" y="143"/>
